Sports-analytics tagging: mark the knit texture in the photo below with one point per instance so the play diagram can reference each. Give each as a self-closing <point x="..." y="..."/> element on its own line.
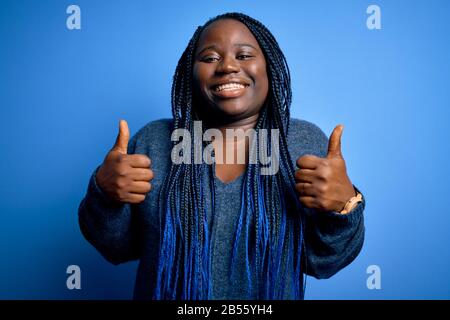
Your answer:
<point x="125" y="232"/>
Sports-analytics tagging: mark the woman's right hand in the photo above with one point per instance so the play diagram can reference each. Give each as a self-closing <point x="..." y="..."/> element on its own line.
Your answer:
<point x="125" y="177"/>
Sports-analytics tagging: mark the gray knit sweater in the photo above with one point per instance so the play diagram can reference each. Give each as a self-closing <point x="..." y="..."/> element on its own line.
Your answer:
<point x="124" y="232"/>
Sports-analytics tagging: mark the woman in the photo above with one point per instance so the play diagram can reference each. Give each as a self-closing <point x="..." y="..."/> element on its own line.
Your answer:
<point x="226" y="230"/>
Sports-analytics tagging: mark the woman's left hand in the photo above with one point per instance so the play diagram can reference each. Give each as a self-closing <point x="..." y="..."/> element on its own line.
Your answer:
<point x="322" y="183"/>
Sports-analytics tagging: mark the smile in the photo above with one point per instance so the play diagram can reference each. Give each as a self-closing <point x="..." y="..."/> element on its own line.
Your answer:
<point x="229" y="90"/>
<point x="229" y="87"/>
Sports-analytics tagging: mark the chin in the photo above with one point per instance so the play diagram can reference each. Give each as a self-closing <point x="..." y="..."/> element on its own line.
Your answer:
<point x="232" y="110"/>
<point x="231" y="105"/>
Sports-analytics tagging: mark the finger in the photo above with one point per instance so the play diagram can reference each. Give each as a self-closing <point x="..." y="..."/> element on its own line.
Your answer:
<point x="121" y="144"/>
<point x="308" y="162"/>
<point x="135" y="198"/>
<point x="305" y="175"/>
<point x="141" y="174"/>
<point x="308" y="201"/>
<point x="139" y="161"/>
<point x="305" y="189"/>
<point x="141" y="187"/>
<point x="334" y="144"/>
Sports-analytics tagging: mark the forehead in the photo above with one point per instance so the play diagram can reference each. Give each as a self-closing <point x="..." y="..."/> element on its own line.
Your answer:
<point x="226" y="32"/>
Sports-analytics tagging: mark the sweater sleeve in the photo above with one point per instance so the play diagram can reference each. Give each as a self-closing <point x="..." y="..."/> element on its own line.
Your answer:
<point x="108" y="225"/>
<point x="331" y="240"/>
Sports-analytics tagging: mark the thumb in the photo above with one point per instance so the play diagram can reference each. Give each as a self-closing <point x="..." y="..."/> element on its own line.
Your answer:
<point x="334" y="144"/>
<point x="121" y="144"/>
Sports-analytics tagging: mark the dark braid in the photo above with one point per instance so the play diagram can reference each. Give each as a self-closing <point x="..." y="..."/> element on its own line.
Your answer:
<point x="270" y="211"/>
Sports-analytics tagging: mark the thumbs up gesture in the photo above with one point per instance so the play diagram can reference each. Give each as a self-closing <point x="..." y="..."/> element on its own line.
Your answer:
<point x="125" y="177"/>
<point x="322" y="183"/>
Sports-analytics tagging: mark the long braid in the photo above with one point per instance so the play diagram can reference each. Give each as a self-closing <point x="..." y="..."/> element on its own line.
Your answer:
<point x="270" y="217"/>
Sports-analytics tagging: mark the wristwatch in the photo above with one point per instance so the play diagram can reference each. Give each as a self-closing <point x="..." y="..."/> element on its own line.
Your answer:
<point x="352" y="203"/>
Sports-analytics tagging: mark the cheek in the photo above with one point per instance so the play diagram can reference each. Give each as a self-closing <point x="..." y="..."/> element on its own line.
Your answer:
<point x="200" y="75"/>
<point x="262" y="81"/>
<point x="196" y="75"/>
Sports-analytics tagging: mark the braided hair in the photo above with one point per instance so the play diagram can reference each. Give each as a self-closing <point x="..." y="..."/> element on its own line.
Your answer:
<point x="270" y="218"/>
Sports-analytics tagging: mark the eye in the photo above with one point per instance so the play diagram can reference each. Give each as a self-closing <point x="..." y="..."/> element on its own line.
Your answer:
<point x="244" y="56"/>
<point x="209" y="59"/>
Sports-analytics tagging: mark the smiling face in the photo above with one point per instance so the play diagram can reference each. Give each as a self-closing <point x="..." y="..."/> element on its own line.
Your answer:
<point x="230" y="76"/>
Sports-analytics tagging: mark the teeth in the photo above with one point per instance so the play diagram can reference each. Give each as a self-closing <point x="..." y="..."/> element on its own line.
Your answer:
<point x="229" y="86"/>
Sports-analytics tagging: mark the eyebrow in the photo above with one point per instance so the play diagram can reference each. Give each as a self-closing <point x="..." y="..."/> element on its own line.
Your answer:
<point x="236" y="45"/>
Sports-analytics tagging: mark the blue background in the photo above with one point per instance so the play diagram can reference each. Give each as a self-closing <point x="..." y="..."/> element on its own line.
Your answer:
<point x="62" y="93"/>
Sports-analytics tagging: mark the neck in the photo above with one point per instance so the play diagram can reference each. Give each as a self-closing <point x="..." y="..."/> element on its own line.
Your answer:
<point x="234" y="145"/>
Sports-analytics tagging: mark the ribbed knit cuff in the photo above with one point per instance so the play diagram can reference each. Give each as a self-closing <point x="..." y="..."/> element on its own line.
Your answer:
<point x="353" y="216"/>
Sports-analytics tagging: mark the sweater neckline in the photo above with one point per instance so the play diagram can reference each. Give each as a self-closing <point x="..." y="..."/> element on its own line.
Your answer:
<point x="235" y="181"/>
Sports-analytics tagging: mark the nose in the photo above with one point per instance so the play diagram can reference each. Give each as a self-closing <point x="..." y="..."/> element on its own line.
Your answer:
<point x="228" y="65"/>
